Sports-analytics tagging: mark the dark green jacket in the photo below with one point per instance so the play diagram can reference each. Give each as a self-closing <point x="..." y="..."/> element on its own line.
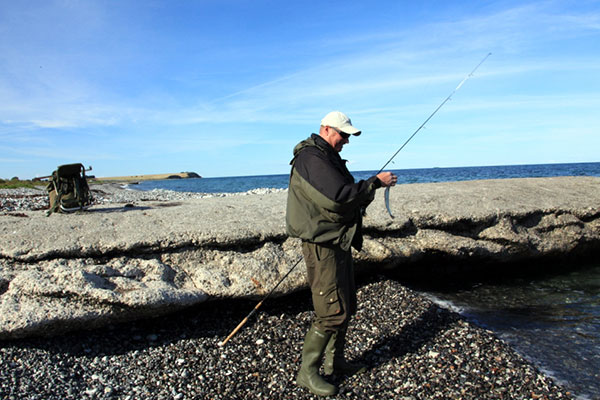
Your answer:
<point x="324" y="203"/>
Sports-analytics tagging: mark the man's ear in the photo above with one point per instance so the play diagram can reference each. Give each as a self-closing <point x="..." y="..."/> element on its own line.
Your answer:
<point x="324" y="132"/>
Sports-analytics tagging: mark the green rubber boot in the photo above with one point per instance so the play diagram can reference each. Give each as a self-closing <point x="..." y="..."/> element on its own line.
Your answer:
<point x="335" y="363"/>
<point x="308" y="377"/>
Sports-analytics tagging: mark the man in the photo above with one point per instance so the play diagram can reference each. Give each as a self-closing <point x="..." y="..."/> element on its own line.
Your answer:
<point x="324" y="209"/>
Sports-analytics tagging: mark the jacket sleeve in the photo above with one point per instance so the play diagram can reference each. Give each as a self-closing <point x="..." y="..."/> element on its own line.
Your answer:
<point x="320" y="173"/>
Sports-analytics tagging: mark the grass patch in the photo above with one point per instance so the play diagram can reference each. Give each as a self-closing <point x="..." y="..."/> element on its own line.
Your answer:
<point x="17" y="183"/>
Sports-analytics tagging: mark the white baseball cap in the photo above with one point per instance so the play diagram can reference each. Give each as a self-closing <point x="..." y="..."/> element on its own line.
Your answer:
<point x="340" y="121"/>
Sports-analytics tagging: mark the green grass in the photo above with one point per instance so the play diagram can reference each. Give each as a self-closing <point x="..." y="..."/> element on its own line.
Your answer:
<point x="17" y="183"/>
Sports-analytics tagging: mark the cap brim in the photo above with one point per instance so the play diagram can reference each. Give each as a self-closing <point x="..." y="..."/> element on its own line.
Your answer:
<point x="350" y="130"/>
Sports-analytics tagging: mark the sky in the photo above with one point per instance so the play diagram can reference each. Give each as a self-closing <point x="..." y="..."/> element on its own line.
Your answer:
<point x="229" y="87"/>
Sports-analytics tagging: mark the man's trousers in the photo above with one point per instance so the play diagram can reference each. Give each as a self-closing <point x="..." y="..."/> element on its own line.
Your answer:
<point x="330" y="273"/>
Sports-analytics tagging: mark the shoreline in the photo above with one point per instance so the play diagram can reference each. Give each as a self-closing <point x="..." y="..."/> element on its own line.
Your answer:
<point x="147" y="177"/>
<point x="28" y="199"/>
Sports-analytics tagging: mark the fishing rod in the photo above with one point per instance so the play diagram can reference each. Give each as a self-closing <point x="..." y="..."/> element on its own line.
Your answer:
<point x="39" y="178"/>
<point x="255" y="309"/>
<point x="237" y="328"/>
<point x="387" y="189"/>
<point x="436" y="110"/>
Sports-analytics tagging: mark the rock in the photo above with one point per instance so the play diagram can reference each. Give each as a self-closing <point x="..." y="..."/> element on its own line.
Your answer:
<point x="116" y="263"/>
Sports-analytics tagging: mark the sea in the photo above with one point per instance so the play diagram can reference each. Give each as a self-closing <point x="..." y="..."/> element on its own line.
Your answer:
<point x="551" y="319"/>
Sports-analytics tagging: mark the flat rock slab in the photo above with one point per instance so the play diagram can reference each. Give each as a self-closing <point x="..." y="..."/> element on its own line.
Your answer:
<point x="127" y="261"/>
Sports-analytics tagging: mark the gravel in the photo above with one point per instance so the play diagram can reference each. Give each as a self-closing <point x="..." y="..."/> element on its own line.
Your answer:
<point x="414" y="349"/>
<point x="26" y="199"/>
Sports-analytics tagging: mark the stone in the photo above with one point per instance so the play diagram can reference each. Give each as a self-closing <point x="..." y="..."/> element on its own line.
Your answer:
<point x="115" y="263"/>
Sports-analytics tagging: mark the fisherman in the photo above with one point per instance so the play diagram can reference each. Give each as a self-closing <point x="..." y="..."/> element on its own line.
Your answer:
<point x="324" y="209"/>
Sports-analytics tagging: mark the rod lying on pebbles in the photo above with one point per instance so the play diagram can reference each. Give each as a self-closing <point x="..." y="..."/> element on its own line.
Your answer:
<point x="414" y="349"/>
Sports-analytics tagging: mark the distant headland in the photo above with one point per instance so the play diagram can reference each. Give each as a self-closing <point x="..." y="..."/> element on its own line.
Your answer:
<point x="179" y="175"/>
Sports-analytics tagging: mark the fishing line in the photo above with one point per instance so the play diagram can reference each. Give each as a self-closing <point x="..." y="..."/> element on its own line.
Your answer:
<point x="423" y="124"/>
<point x="243" y="322"/>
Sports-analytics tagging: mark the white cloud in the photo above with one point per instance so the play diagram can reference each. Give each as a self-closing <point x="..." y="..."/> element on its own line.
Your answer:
<point x="53" y="86"/>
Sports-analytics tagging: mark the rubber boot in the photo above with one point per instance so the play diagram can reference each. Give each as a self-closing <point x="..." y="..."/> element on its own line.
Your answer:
<point x="335" y="363"/>
<point x="312" y="352"/>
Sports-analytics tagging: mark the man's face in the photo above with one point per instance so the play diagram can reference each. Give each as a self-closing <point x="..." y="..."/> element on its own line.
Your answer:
<point x="335" y="138"/>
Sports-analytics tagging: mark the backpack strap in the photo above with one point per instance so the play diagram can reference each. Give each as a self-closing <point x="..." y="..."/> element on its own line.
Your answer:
<point x="52" y="186"/>
<point x="77" y="188"/>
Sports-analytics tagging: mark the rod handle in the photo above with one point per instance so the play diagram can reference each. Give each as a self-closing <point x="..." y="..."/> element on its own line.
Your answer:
<point x="237" y="328"/>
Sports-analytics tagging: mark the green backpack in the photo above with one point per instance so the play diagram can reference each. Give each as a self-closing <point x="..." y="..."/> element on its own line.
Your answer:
<point x="68" y="189"/>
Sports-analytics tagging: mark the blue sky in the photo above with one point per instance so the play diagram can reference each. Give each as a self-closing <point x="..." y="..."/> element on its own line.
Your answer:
<point x="227" y="87"/>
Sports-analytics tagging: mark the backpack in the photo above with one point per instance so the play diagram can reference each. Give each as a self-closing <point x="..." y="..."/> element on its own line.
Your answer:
<point x="68" y="189"/>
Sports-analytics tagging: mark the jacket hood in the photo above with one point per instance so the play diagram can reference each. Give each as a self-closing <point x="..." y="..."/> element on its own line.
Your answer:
<point x="313" y="141"/>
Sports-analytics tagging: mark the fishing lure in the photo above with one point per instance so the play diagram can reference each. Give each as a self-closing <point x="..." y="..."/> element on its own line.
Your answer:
<point x="387" y="201"/>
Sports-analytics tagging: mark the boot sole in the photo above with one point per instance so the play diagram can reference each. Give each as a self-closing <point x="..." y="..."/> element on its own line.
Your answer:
<point x="300" y="382"/>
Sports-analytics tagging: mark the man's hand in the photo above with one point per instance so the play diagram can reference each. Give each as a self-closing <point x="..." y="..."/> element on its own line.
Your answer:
<point x="387" y="179"/>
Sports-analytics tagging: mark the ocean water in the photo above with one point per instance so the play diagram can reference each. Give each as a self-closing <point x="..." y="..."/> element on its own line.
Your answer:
<point x="552" y="320"/>
<point x="234" y="184"/>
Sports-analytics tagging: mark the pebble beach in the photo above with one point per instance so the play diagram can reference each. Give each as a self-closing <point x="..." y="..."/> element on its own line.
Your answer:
<point x="414" y="349"/>
<point x="37" y="199"/>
